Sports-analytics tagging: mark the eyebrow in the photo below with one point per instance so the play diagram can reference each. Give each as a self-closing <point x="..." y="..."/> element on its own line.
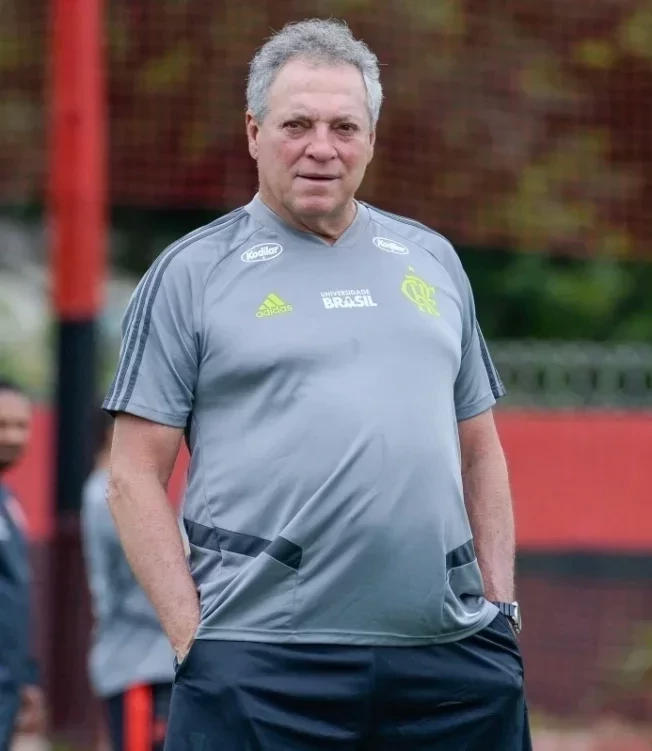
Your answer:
<point x="296" y="115"/>
<point x="305" y="115"/>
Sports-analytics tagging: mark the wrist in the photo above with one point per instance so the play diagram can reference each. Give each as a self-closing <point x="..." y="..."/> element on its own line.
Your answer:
<point x="184" y="636"/>
<point x="499" y="592"/>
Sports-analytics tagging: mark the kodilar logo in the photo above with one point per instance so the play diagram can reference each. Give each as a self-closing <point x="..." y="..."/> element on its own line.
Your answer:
<point x="391" y="246"/>
<point x="262" y="252"/>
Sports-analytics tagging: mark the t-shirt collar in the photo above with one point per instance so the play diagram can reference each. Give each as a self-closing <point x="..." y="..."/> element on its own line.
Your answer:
<point x="265" y="216"/>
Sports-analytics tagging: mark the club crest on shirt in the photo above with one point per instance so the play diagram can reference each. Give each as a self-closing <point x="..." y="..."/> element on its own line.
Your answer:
<point x="420" y="292"/>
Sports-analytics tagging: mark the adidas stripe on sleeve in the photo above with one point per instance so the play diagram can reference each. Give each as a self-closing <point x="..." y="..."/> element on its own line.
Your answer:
<point x="158" y="362"/>
<point x="478" y="385"/>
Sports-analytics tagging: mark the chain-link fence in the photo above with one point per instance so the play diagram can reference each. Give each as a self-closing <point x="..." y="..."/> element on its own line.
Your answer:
<point x="574" y="375"/>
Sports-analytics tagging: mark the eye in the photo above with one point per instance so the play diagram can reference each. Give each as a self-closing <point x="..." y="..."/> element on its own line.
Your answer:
<point x="347" y="128"/>
<point x="294" y="126"/>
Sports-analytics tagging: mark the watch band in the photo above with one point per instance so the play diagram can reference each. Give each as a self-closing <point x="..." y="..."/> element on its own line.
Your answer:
<point x="512" y="612"/>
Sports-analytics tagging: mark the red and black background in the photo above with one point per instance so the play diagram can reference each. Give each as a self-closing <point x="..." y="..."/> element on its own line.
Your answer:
<point x="584" y="529"/>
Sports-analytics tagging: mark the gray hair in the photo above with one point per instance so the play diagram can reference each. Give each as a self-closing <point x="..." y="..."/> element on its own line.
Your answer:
<point x="316" y="41"/>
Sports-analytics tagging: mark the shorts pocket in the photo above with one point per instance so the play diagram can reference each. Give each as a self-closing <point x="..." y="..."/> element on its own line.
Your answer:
<point x="463" y="599"/>
<point x="501" y="621"/>
<point x="501" y="634"/>
<point x="180" y="667"/>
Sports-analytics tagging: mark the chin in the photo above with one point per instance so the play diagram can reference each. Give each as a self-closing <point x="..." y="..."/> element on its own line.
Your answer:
<point x="316" y="205"/>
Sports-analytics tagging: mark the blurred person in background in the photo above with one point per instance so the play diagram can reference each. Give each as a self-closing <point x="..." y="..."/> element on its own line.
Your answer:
<point x="131" y="660"/>
<point x="348" y="504"/>
<point x="22" y="707"/>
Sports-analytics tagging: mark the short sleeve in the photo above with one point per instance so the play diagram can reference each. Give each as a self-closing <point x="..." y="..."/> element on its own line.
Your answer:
<point x="478" y="385"/>
<point x="157" y="369"/>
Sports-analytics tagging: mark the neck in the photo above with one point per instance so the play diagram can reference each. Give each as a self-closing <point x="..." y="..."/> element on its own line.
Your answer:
<point x="329" y="228"/>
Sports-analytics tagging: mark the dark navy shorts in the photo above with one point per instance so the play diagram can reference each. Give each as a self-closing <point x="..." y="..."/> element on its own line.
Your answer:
<point x="244" y="696"/>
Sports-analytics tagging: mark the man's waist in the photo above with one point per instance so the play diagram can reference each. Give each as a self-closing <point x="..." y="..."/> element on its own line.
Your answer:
<point x="392" y="616"/>
<point x="346" y="637"/>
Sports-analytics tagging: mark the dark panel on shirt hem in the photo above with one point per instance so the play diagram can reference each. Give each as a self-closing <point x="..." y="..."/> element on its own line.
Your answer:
<point x="460" y="556"/>
<point x="217" y="539"/>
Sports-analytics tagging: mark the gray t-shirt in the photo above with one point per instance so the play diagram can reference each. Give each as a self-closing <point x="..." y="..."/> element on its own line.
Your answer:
<point x="320" y="388"/>
<point x="128" y="645"/>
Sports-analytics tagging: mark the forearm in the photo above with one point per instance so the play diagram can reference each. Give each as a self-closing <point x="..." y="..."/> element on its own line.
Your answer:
<point x="489" y="506"/>
<point x="152" y="542"/>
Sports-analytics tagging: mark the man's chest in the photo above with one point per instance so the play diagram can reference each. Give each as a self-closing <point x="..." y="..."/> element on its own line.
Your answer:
<point x="317" y="311"/>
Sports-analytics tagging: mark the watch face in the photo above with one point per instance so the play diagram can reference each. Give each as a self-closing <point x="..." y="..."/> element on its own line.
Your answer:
<point x="511" y="611"/>
<point x="517" y="615"/>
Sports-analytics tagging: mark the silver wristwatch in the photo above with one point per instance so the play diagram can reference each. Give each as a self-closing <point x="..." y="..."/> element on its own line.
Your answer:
<point x="511" y="611"/>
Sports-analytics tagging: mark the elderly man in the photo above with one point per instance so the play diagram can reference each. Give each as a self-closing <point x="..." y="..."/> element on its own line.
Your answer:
<point x="348" y="508"/>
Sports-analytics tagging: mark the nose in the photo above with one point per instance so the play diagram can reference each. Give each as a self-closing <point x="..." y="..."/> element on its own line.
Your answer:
<point x="320" y="147"/>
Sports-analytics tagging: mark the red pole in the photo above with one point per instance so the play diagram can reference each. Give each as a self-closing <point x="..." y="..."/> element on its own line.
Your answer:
<point x="78" y="157"/>
<point x="77" y="217"/>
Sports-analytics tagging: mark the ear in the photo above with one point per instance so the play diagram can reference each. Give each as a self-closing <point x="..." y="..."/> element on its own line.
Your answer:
<point x="372" y="144"/>
<point x="253" y="129"/>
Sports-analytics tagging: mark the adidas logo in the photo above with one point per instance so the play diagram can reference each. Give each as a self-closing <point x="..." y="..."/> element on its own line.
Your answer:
<point x="273" y="306"/>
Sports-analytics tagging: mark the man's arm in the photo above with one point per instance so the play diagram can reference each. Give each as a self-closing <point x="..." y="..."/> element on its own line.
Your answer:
<point x="488" y="503"/>
<point x="142" y="459"/>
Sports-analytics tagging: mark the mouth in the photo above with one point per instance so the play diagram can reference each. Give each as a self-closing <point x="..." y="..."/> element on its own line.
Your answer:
<point x="318" y="178"/>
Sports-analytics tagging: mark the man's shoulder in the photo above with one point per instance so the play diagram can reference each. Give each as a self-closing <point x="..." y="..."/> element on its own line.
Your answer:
<point x="410" y="229"/>
<point x="11" y="506"/>
<point x="207" y="245"/>
<point x="7" y="495"/>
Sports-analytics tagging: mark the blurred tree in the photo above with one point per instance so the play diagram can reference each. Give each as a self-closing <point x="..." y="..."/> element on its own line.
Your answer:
<point x="522" y="125"/>
<point x="541" y="296"/>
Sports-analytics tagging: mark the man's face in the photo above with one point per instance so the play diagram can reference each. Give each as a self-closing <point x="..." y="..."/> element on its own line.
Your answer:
<point x="15" y="424"/>
<point x="316" y="140"/>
